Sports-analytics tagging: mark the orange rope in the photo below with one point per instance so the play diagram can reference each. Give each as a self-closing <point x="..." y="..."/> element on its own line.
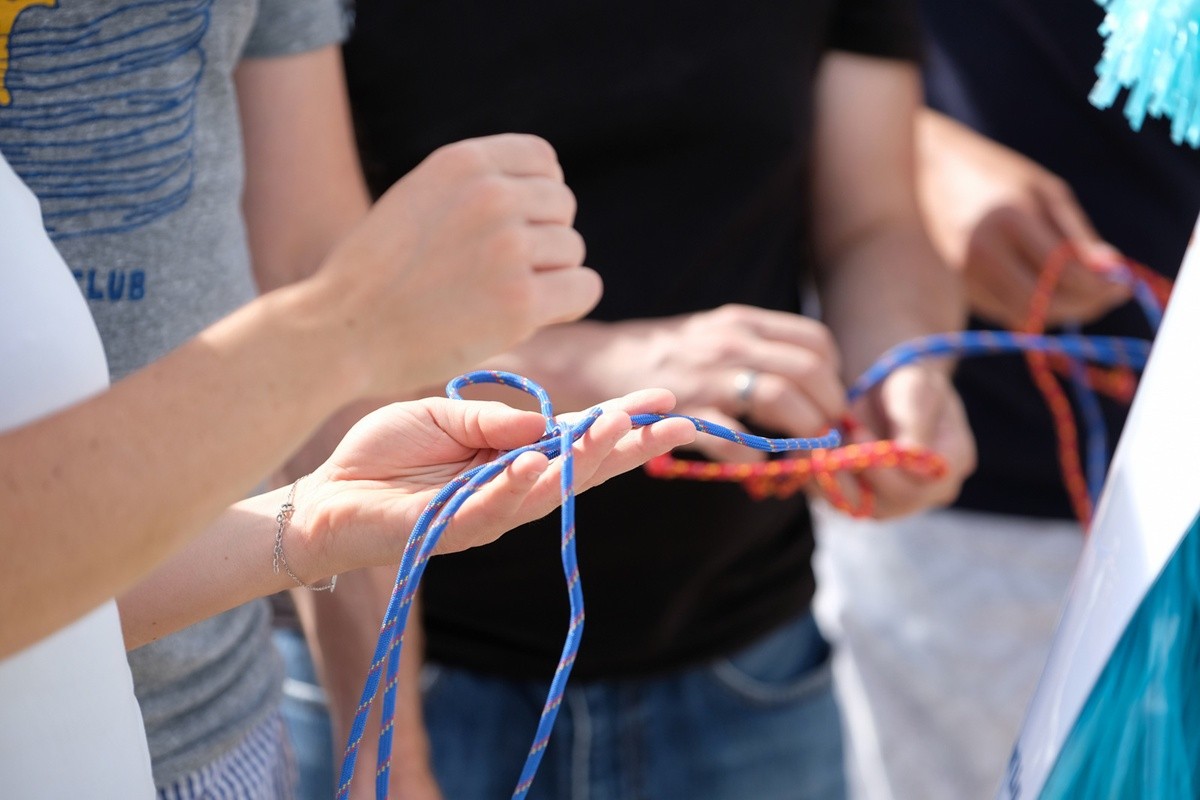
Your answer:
<point x="1067" y="433"/>
<point x="783" y="477"/>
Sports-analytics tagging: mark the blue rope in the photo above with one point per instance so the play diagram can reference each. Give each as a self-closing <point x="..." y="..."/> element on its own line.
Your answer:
<point x="557" y="441"/>
<point x="1095" y="430"/>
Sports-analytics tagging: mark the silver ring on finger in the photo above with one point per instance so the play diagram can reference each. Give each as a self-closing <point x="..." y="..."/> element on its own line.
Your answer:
<point x="743" y="388"/>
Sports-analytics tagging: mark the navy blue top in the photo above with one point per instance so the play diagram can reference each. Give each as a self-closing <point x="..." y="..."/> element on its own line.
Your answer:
<point x="1019" y="71"/>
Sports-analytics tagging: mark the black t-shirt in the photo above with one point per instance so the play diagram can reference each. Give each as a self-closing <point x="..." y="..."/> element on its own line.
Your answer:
<point x="1019" y="71"/>
<point x="684" y="129"/>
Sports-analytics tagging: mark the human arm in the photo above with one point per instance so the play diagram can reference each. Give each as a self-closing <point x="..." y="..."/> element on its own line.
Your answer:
<point x="997" y="216"/>
<point x="699" y="357"/>
<point x="880" y="281"/>
<point x="147" y="463"/>
<point x="358" y="508"/>
<point x="294" y="111"/>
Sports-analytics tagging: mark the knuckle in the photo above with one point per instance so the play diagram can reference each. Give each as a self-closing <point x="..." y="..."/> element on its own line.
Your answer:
<point x="569" y="201"/>
<point x="460" y="157"/>
<point x="825" y="345"/>
<point x="493" y="196"/>
<point x="509" y="245"/>
<point x="770" y="391"/>
<point x="578" y="246"/>
<point x="734" y="312"/>
<point x="808" y="368"/>
<point x="542" y="149"/>
<point x="516" y="297"/>
<point x="1058" y="189"/>
<point x="1007" y="217"/>
<point x="728" y="349"/>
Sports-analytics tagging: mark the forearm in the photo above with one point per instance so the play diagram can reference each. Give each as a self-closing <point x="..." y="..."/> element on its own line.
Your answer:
<point x="579" y="364"/>
<point x="889" y="288"/>
<point x="228" y="564"/>
<point x="304" y="188"/>
<point x="161" y="453"/>
<point x="879" y="278"/>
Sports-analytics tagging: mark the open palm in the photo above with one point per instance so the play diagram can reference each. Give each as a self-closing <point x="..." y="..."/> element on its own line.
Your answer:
<point x="360" y="506"/>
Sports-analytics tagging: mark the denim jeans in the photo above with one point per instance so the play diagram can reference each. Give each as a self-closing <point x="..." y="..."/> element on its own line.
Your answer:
<point x="307" y="718"/>
<point x="760" y="724"/>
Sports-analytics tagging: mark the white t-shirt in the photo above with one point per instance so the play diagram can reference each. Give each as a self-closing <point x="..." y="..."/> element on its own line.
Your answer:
<point x="69" y="723"/>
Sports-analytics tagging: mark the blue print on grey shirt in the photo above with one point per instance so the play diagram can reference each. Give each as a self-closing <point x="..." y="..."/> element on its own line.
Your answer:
<point x="120" y="155"/>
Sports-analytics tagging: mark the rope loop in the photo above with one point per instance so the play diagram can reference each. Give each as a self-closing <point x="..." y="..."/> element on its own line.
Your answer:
<point x="827" y="456"/>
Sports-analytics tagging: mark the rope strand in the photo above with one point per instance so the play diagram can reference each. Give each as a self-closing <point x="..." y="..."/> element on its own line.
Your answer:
<point x="826" y="458"/>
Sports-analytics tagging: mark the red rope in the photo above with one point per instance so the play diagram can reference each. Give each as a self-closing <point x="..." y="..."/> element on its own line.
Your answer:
<point x="784" y="477"/>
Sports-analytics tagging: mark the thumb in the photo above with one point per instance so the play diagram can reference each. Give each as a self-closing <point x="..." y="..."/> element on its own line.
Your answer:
<point x="488" y="424"/>
<point x="910" y="404"/>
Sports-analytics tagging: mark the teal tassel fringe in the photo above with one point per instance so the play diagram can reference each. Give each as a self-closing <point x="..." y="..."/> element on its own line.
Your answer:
<point x="1152" y="48"/>
<point x="1138" y="735"/>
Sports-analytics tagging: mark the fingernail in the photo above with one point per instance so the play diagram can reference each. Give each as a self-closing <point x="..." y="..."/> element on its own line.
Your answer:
<point x="1104" y="257"/>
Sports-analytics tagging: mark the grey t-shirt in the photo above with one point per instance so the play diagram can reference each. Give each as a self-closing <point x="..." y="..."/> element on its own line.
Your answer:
<point x="121" y="116"/>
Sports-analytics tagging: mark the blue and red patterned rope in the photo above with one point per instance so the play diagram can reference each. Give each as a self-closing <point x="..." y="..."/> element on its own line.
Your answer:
<point x="557" y="443"/>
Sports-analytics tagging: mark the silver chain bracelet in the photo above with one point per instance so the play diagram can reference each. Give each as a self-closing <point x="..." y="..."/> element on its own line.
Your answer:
<point x="281" y="522"/>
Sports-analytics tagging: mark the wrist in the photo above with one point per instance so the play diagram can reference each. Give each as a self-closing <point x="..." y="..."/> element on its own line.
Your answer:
<point x="322" y="325"/>
<point x="552" y="357"/>
<point x="301" y="547"/>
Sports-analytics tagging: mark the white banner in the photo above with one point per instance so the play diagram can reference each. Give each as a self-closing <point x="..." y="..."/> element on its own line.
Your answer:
<point x="1150" y="498"/>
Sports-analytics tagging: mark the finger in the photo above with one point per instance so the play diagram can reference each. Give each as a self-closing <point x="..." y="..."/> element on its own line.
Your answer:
<point x="500" y="505"/>
<point x="529" y="488"/>
<point x="547" y="201"/>
<point x="1034" y="240"/>
<point x="894" y="492"/>
<point x="1072" y="223"/>
<point x="643" y="401"/>
<point x="556" y="247"/>
<point x="1081" y="293"/>
<point x="777" y="404"/>
<point x="639" y="446"/>
<point x="898" y="493"/>
<point x="609" y="448"/>
<point x="788" y="368"/>
<point x="923" y="411"/>
<point x="611" y="430"/>
<point x="587" y="455"/>
<point x="521" y="154"/>
<point x="486" y="424"/>
<point x="1000" y="278"/>
<point x="595" y="445"/>
<point x="794" y="329"/>
<point x="911" y="401"/>
<point x="841" y="489"/>
<point x="562" y="295"/>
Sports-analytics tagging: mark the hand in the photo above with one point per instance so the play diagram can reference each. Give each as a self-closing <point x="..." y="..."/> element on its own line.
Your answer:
<point x="998" y="215"/>
<point x="358" y="508"/>
<point x="775" y="369"/>
<point x="464" y="257"/>
<point x="917" y="407"/>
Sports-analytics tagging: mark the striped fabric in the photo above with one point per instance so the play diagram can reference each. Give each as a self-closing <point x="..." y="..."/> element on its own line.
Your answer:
<point x="259" y="768"/>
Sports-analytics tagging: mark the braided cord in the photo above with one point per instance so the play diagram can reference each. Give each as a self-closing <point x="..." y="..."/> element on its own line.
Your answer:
<point x="1065" y="353"/>
<point x="427" y="532"/>
<point x="1090" y="364"/>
